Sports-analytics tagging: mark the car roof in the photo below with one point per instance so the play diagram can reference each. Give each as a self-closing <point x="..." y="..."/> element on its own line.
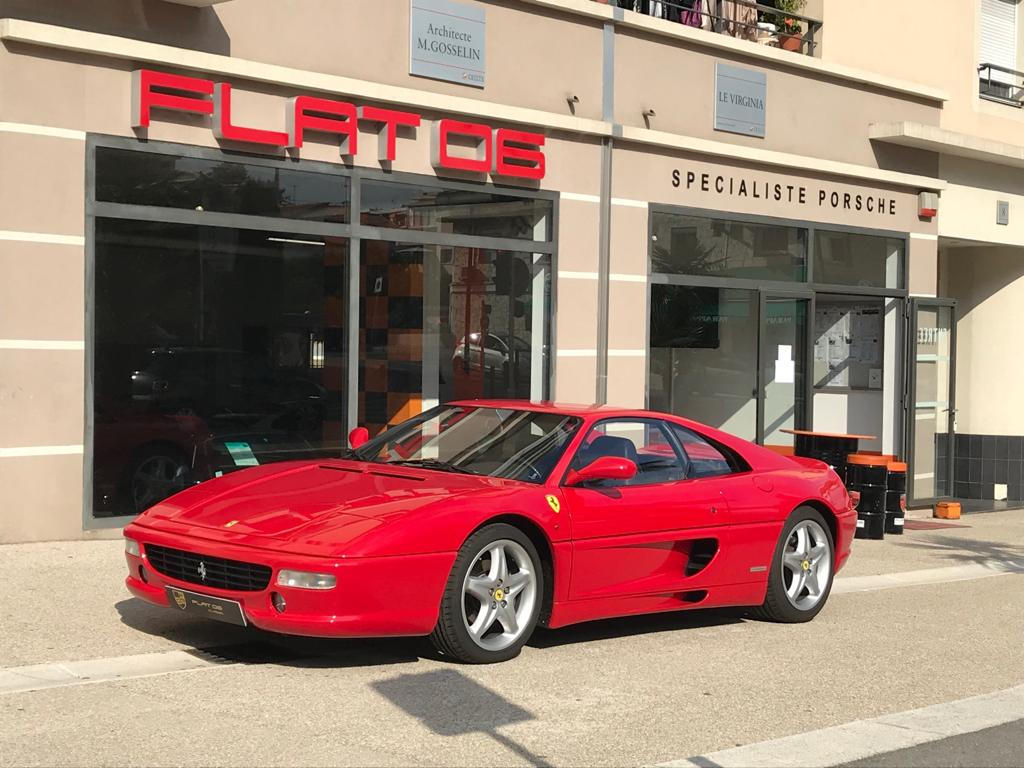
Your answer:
<point x="550" y="406"/>
<point x="756" y="456"/>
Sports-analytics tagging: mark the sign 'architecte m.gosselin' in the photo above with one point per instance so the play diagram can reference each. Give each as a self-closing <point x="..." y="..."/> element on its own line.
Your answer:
<point x="446" y="41"/>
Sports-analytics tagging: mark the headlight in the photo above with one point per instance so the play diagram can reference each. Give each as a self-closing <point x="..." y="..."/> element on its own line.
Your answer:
<point x="131" y="546"/>
<point x="305" y="580"/>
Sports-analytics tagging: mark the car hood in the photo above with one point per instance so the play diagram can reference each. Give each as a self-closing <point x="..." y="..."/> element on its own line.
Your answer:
<point x="311" y="507"/>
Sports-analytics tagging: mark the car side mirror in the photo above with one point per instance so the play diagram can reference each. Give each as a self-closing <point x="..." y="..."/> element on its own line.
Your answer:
<point x="358" y="436"/>
<point x="604" y="468"/>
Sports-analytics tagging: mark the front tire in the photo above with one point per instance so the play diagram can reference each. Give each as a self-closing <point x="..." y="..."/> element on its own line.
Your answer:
<point x="492" y="600"/>
<point x="802" y="569"/>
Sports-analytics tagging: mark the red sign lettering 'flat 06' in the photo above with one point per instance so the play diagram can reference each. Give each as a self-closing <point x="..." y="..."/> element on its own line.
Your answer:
<point x="500" y="152"/>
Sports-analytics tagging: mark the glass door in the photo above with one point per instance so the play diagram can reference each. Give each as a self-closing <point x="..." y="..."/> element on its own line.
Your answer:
<point x="932" y="400"/>
<point x="784" y="362"/>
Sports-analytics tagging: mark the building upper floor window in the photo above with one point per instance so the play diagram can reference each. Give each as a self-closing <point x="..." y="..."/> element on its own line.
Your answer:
<point x="999" y="40"/>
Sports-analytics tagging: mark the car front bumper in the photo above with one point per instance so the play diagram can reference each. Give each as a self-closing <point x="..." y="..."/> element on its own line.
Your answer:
<point x="374" y="596"/>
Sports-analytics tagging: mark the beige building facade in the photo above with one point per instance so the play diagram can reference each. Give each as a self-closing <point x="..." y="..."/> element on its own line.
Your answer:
<point x="596" y="205"/>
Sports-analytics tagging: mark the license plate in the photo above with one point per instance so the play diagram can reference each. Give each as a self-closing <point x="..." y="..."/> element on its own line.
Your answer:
<point x="211" y="607"/>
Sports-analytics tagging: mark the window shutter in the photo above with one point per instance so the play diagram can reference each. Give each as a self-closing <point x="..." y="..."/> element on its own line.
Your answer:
<point x="998" y="44"/>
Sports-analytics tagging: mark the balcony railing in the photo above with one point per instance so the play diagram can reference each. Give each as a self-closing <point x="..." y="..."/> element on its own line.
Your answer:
<point x="1001" y="84"/>
<point x="745" y="19"/>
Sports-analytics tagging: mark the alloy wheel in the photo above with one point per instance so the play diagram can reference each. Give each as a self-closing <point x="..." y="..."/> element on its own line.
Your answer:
<point x="806" y="564"/>
<point x="499" y="594"/>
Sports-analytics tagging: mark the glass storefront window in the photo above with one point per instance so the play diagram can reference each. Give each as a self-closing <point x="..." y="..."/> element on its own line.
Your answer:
<point x="703" y="358"/>
<point x="172" y="181"/>
<point x="215" y="349"/>
<point x="694" y="245"/>
<point x="454" y="211"/>
<point x="440" y="323"/>
<point x="848" y="258"/>
<point x="229" y="343"/>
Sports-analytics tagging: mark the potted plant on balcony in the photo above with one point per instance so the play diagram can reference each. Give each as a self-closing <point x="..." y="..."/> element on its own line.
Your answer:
<point x="790" y="30"/>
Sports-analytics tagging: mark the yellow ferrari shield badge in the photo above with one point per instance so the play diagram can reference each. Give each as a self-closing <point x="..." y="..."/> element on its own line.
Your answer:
<point x="553" y="503"/>
<point x="179" y="598"/>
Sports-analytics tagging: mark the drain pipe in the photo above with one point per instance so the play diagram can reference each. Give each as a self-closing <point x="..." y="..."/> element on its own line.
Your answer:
<point x="603" y="271"/>
<point x="605" y="212"/>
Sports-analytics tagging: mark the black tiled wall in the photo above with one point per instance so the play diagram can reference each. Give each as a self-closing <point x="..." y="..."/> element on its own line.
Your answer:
<point x="981" y="461"/>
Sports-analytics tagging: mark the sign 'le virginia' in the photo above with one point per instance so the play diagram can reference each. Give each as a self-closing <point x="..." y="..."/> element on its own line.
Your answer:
<point x="501" y="152"/>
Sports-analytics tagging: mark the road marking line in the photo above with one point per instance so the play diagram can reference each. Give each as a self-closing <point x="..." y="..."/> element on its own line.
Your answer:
<point x="866" y="738"/>
<point x="943" y="575"/>
<point x="57" y="675"/>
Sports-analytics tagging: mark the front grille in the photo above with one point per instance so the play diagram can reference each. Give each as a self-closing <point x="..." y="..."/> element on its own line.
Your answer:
<point x="208" y="571"/>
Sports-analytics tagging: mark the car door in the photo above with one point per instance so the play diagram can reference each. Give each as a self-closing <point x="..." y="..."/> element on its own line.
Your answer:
<point x="638" y="536"/>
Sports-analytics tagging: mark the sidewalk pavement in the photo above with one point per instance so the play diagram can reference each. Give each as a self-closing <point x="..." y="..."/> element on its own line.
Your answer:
<point x="641" y="690"/>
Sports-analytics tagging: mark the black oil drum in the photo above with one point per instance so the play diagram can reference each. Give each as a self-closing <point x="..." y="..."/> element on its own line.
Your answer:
<point x="866" y="474"/>
<point x="858" y="474"/>
<point x="832" y="449"/>
<point x="870" y="525"/>
<point x="896" y="488"/>
<point x="872" y="498"/>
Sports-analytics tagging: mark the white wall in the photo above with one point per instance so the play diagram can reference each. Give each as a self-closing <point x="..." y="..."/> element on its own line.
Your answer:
<point x="988" y="283"/>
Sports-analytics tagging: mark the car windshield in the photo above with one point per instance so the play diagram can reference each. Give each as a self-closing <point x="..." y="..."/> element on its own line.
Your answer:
<point x="497" y="442"/>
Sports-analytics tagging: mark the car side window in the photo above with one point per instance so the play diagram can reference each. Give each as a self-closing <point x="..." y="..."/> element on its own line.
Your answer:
<point x="645" y="443"/>
<point x="704" y="458"/>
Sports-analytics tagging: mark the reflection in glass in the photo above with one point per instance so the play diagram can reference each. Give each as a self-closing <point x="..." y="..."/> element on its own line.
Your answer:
<point x="703" y="362"/>
<point x="850" y="342"/>
<point x="454" y="211"/>
<point x="785" y="346"/>
<point x="499" y="442"/>
<point x="693" y="245"/>
<point x="440" y="323"/>
<point x="172" y="181"/>
<point x="215" y="349"/>
<point x="847" y="258"/>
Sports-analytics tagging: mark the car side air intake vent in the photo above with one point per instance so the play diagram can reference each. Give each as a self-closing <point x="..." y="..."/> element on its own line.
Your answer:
<point x="701" y="552"/>
<point x="694" y="595"/>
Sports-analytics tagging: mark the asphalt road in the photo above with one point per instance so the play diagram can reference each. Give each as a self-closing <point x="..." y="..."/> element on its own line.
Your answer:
<point x="122" y="682"/>
<point x="998" y="747"/>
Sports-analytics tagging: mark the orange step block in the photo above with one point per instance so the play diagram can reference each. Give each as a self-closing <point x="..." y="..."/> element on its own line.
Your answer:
<point x="948" y="510"/>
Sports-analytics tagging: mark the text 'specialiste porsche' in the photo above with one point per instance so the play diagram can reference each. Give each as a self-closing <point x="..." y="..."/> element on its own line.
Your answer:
<point x="476" y="521"/>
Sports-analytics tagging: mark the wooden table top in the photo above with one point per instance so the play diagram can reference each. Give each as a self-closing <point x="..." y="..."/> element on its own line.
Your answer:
<point x="809" y="433"/>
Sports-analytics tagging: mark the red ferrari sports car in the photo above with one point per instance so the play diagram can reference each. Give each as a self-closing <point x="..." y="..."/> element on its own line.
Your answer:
<point x="476" y="521"/>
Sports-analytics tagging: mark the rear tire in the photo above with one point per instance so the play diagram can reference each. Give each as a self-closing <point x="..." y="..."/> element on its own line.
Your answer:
<point x="802" y="569"/>
<point x="492" y="600"/>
